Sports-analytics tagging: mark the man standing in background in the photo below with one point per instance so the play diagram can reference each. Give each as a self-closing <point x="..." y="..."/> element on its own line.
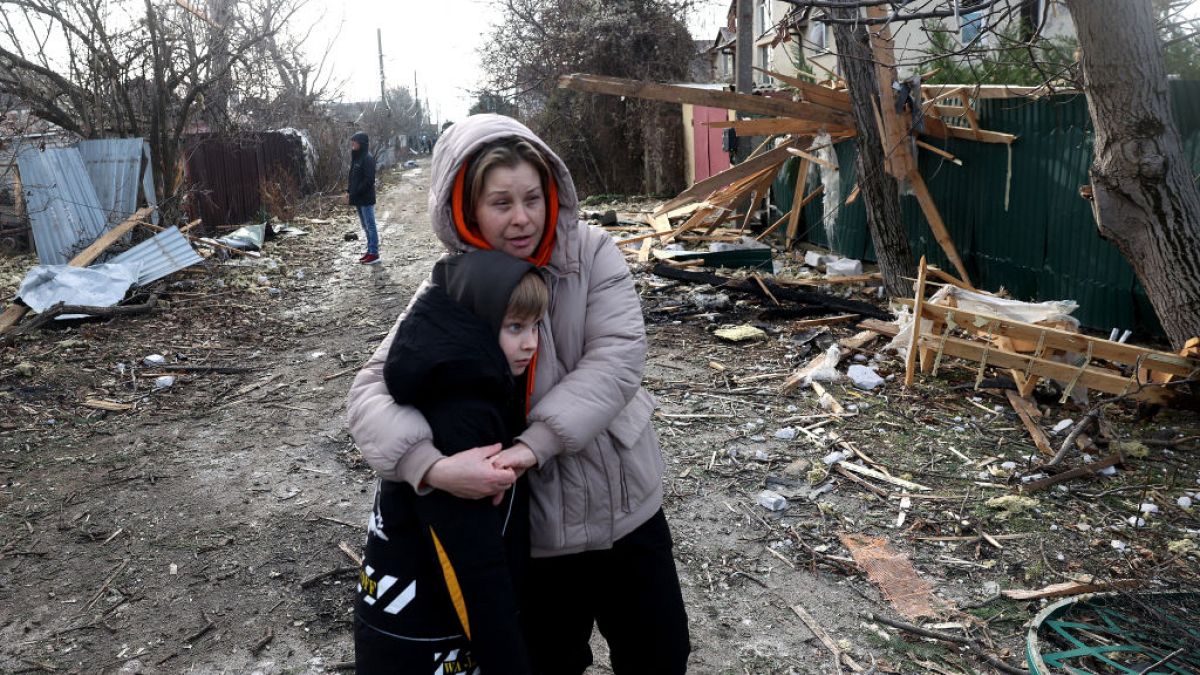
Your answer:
<point x="360" y="193"/>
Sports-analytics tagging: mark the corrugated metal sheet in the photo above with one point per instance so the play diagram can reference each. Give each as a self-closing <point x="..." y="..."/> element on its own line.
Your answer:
<point x="115" y="167"/>
<point x="164" y="253"/>
<point x="61" y="202"/>
<point x="1044" y="245"/>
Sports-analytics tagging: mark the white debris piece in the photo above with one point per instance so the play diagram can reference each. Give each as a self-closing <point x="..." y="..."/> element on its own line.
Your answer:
<point x="1063" y="426"/>
<point x="772" y="501"/>
<point x="834" y="457"/>
<point x="1184" y="502"/>
<point x="164" y="381"/>
<point x="827" y="371"/>
<point x="155" y="360"/>
<point x="846" y="267"/>
<point x="786" y="433"/>
<point x="816" y="258"/>
<point x="1149" y="508"/>
<point x="1135" y="521"/>
<point x="864" y="377"/>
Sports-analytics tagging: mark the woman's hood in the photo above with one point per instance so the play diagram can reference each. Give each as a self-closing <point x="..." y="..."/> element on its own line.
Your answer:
<point x="463" y="140"/>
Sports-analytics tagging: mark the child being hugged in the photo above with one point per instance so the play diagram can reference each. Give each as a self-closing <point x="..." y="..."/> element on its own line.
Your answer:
<point x="441" y="574"/>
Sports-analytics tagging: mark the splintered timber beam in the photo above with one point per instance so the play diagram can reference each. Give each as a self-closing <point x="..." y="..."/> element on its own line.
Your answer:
<point x="1054" y="338"/>
<point x="670" y="93"/>
<point x="929" y="208"/>
<point x="768" y="159"/>
<point x="837" y="99"/>
<point x="780" y="125"/>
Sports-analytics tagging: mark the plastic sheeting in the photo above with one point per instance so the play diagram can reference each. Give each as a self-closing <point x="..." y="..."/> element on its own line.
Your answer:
<point x="97" y="286"/>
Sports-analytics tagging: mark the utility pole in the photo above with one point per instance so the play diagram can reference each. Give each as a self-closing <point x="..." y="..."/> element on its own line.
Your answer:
<point x="744" y="59"/>
<point x="382" y="82"/>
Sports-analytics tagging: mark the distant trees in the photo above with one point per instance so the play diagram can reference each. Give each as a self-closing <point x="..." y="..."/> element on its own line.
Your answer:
<point x="157" y="68"/>
<point x="612" y="145"/>
<point x="491" y="102"/>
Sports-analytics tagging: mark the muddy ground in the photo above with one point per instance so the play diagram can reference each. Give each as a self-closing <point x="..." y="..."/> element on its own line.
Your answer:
<point x="210" y="528"/>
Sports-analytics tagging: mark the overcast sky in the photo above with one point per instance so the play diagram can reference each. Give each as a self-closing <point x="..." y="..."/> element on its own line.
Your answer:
<point x="439" y="40"/>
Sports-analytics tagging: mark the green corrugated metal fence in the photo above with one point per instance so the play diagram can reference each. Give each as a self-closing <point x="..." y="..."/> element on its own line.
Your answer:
<point x="1041" y="245"/>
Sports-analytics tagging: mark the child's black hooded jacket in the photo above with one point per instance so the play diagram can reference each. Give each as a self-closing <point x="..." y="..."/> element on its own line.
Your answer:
<point x="437" y="566"/>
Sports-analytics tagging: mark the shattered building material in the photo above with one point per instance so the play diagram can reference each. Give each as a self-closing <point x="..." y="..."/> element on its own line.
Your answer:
<point x="61" y="202"/>
<point x="120" y="170"/>
<point x="165" y="253"/>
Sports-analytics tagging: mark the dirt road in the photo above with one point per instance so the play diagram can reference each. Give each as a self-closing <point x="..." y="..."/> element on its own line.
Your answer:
<point x="202" y="531"/>
<point x="190" y="534"/>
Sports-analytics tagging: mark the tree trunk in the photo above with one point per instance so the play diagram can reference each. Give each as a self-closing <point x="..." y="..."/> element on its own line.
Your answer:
<point x="1146" y="202"/>
<point x="880" y="191"/>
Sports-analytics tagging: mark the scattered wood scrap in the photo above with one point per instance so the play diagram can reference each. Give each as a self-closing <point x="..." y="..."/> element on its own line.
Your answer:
<point x="830" y="302"/>
<point x="1067" y="588"/>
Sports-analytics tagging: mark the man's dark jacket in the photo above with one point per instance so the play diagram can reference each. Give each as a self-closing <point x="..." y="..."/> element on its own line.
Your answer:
<point x="446" y="361"/>
<point x="361" y="187"/>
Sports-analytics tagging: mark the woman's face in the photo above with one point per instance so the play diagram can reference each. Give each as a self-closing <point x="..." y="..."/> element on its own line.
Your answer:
<point x="511" y="212"/>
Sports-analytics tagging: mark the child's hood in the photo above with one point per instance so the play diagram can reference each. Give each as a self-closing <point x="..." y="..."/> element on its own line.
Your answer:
<point x="482" y="282"/>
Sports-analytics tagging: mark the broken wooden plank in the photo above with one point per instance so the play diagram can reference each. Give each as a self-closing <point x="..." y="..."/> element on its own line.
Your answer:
<point x="934" y="218"/>
<point x="839" y="657"/>
<point x="910" y="361"/>
<point x="781" y="125"/>
<point x="15" y="312"/>
<point x="1108" y="381"/>
<point x="798" y="203"/>
<point x="1067" y="588"/>
<point x="105" y="404"/>
<point x="812" y="158"/>
<point x="879" y="475"/>
<point x="823" y="321"/>
<point x="859" y="339"/>
<point x="1022" y="406"/>
<point x="898" y="157"/>
<point x="1089" y="469"/>
<point x="836" y="99"/>
<point x="767" y="160"/>
<point x="670" y="93"/>
<point x="1055" y="338"/>
<point x="938" y="151"/>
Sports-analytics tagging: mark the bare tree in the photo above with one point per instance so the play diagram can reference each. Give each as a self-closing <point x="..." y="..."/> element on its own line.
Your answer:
<point x="881" y="192"/>
<point x="151" y="68"/>
<point x="612" y="145"/>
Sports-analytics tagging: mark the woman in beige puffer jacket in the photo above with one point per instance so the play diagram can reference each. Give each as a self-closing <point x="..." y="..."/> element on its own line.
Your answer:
<point x="600" y="545"/>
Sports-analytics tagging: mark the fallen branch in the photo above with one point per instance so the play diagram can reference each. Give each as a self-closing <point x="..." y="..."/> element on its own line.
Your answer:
<point x="1079" y="472"/>
<point x="1080" y="427"/>
<point x="62" y="308"/>
<point x="327" y="573"/>
<point x="946" y="637"/>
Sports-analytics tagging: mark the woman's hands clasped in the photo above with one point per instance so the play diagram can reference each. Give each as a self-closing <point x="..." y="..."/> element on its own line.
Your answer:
<point x="481" y="472"/>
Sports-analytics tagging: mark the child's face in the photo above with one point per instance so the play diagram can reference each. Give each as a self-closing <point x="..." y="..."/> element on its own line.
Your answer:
<point x="518" y="341"/>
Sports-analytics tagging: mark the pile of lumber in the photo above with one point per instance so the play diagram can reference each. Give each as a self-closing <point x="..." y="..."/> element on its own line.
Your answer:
<point x="795" y="116"/>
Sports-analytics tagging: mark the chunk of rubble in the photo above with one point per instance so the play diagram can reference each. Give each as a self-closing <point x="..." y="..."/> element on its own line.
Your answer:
<point x="772" y="500"/>
<point x="864" y="377"/>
